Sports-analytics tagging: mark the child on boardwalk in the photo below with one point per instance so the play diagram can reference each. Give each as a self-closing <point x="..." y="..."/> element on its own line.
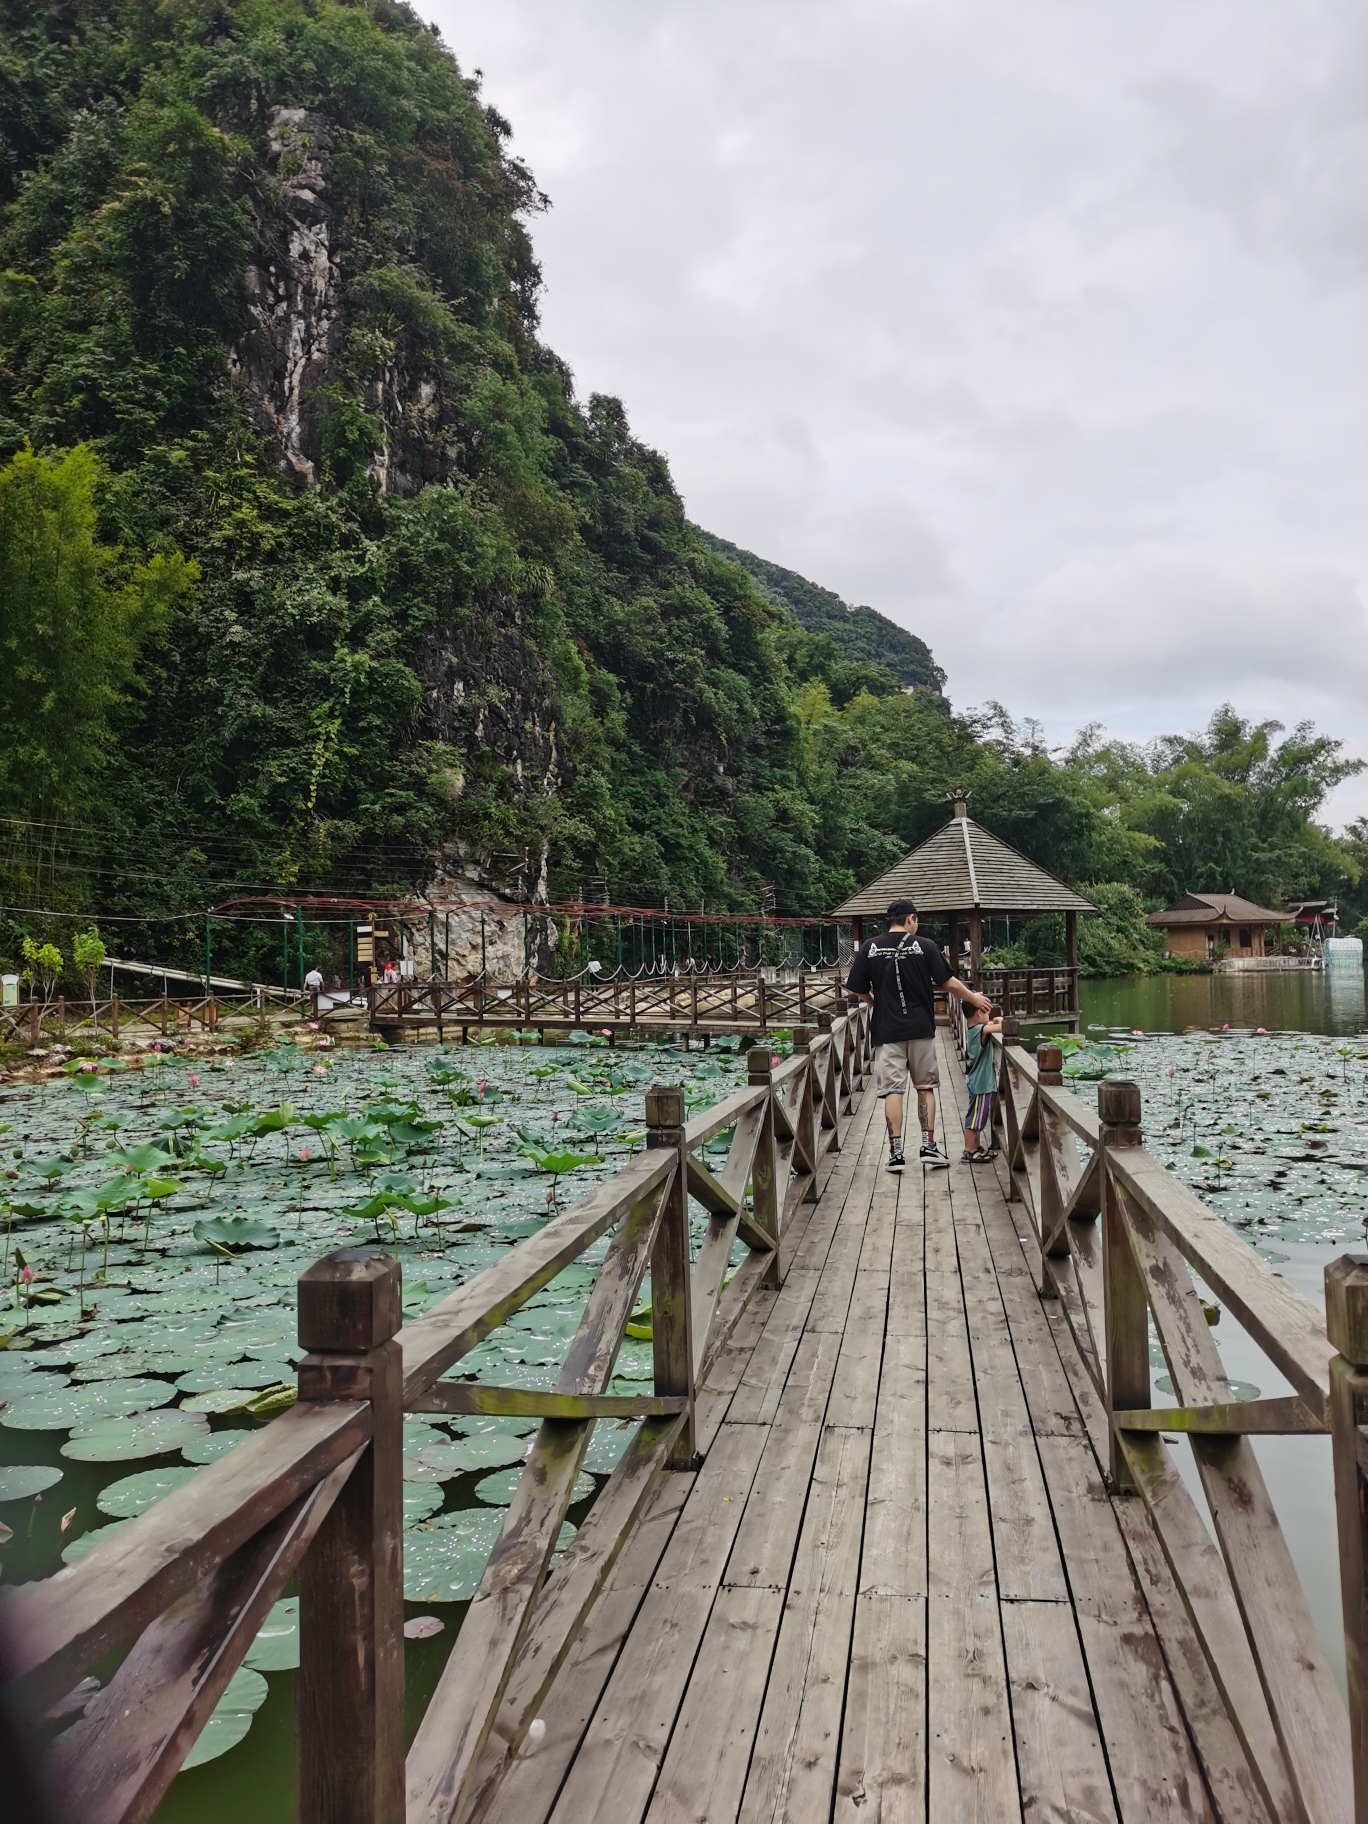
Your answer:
<point x="981" y="1060"/>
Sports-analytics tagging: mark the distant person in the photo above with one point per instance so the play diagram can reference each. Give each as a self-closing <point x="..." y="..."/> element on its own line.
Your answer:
<point x="897" y="974"/>
<point x="981" y="1062"/>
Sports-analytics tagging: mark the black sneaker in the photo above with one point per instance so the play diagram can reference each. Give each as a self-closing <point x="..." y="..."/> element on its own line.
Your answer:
<point x="896" y="1162"/>
<point x="930" y="1154"/>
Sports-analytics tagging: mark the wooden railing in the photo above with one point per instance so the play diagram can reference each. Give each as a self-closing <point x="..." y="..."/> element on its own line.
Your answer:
<point x="1031" y="994"/>
<point x="65" y="1017"/>
<point x="318" y="1491"/>
<point x="1119" y="1238"/>
<point x="733" y="1000"/>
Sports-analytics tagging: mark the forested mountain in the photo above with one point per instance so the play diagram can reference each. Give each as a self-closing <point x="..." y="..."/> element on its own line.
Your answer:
<point x="862" y="635"/>
<point x="316" y="573"/>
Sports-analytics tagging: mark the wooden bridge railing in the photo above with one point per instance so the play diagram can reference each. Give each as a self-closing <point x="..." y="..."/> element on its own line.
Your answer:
<point x="1119" y="1240"/>
<point x="65" y="1018"/>
<point x="731" y="999"/>
<point x="1031" y="994"/>
<point x="318" y="1491"/>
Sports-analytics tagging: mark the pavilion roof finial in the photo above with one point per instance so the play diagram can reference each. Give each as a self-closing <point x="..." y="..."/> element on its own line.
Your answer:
<point x="959" y="798"/>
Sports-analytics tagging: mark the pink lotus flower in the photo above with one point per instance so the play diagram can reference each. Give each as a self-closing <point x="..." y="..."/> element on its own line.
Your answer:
<point x="483" y="1081"/>
<point x="303" y="1155"/>
<point x="312" y="1026"/>
<point x="26" y="1277"/>
<point x="320" y="1070"/>
<point x="775" y="1058"/>
<point x="193" y="1080"/>
<point x="1170" y="1070"/>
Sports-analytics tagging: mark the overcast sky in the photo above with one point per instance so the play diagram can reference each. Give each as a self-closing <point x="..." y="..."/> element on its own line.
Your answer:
<point x="1039" y="325"/>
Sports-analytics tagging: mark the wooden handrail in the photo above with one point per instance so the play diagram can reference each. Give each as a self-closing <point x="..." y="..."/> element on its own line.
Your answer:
<point x="1117" y="1236"/>
<point x="317" y="1491"/>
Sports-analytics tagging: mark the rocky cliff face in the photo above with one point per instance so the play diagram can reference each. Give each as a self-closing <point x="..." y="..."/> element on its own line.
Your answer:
<point x="294" y="304"/>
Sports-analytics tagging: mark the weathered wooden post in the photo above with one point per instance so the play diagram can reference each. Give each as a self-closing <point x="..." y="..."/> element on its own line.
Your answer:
<point x="349" y="1693"/>
<point x="671" y="1300"/>
<point x="1054" y="1241"/>
<point x="114" y="1018"/>
<point x="61" y="1018"/>
<point x="765" y="1166"/>
<point x="1126" y="1309"/>
<point x="35" y="1024"/>
<point x="1346" y="1325"/>
<point x="163" y="1016"/>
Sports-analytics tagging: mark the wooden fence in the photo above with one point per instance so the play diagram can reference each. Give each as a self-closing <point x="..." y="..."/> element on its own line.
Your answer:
<point x="318" y="1491"/>
<point x="63" y="1018"/>
<point x="733" y="1000"/>
<point x="1119" y="1240"/>
<point x="1031" y="994"/>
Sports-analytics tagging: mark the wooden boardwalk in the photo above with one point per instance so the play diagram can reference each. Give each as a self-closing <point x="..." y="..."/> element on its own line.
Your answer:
<point x="896" y="1588"/>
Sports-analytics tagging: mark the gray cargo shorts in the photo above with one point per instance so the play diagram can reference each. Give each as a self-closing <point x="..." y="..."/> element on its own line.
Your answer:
<point x="893" y="1064"/>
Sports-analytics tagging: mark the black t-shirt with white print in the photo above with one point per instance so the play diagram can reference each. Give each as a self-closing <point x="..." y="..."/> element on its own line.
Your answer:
<point x="901" y="972"/>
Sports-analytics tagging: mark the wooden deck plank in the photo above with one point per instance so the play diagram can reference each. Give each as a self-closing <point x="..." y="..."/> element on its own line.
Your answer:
<point x="882" y="1770"/>
<point x="793" y="1769"/>
<point x="1062" y="1767"/>
<point x="855" y="1387"/>
<point x="972" y="1764"/>
<point x="893" y="1562"/>
<point x="614" y="1771"/>
<point x="767" y="1535"/>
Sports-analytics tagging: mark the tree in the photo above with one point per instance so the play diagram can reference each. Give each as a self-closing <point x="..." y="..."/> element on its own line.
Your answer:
<point x="89" y="952"/>
<point x="73" y="614"/>
<point x="43" y="965"/>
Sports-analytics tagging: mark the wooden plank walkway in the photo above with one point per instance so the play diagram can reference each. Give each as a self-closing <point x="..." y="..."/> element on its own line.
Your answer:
<point x="896" y="1588"/>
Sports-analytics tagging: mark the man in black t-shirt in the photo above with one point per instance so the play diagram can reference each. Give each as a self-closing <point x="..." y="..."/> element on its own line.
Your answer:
<point x="898" y="974"/>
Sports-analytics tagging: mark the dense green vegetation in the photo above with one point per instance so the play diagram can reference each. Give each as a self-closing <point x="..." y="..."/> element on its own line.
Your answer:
<point x="316" y="574"/>
<point x="862" y="636"/>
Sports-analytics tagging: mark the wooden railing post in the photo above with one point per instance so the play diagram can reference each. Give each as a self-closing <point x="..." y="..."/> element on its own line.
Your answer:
<point x="1126" y="1309"/>
<point x="1346" y="1325"/>
<point x="349" y="1693"/>
<point x="671" y="1302"/>
<point x="765" y="1199"/>
<point x="114" y="1018"/>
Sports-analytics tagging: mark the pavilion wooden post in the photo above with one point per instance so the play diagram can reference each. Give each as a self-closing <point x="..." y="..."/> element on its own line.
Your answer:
<point x="975" y="947"/>
<point x="671" y="1303"/>
<point x="1346" y="1325"/>
<point x="1125" y="1306"/>
<point x="1071" y="957"/>
<point x="952" y="932"/>
<point x="349" y="1692"/>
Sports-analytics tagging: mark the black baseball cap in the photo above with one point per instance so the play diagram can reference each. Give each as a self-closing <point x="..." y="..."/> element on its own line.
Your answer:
<point x="900" y="911"/>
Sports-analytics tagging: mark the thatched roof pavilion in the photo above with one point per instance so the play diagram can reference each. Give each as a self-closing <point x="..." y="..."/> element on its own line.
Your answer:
<point x="964" y="871"/>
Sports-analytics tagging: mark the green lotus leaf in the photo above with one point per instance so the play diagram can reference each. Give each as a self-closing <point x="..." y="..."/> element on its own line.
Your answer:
<point x="276" y="1647"/>
<point x="73" y="1553"/>
<point x="215" y="1377"/>
<point x="445" y="1563"/>
<point x="421" y="1500"/>
<point x="213" y="1445"/>
<point x="231" y="1719"/>
<point x="491" y="1451"/>
<point x="133" y="1495"/>
<point x="237" y="1232"/>
<point x="143" y="1434"/>
<point x="77" y="1405"/>
<point x="219" y="1400"/>
<point x="18" y="1481"/>
<point x="498" y="1489"/>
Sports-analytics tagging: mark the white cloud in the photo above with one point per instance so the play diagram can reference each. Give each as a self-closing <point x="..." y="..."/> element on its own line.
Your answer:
<point x="1040" y="328"/>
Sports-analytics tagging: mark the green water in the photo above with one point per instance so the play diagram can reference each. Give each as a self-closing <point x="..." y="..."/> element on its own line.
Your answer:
<point x="1302" y="1000"/>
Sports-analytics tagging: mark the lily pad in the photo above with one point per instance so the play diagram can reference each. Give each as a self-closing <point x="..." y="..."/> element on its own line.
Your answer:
<point x="276" y="1647"/>
<point x="491" y="1451"/>
<point x="607" y="1446"/>
<point x="498" y="1489"/>
<point x="237" y="1233"/>
<point x="219" y="1400"/>
<point x="213" y="1445"/>
<point x="133" y="1495"/>
<point x="445" y="1563"/>
<point x="19" y="1481"/>
<point x="232" y="1717"/>
<point x="144" y="1434"/>
<point x="73" y="1553"/>
<point x="421" y="1501"/>
<point x="79" y="1405"/>
<point x="212" y="1378"/>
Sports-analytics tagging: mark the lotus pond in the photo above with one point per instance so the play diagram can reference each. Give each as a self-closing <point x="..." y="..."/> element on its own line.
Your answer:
<point x="156" y="1222"/>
